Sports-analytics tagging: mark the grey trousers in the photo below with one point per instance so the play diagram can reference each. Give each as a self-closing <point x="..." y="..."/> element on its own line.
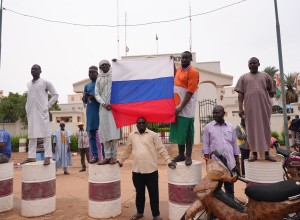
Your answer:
<point x="3" y="158"/>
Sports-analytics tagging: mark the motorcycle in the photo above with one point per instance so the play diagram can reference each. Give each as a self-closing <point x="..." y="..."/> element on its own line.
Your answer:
<point x="275" y="201"/>
<point x="290" y="161"/>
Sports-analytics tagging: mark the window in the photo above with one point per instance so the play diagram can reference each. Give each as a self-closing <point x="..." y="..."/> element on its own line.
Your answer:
<point x="235" y="113"/>
<point x="72" y="98"/>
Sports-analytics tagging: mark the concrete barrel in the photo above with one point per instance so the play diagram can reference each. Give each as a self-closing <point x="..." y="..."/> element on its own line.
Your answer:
<point x="22" y="145"/>
<point x="263" y="171"/>
<point x="38" y="189"/>
<point x="6" y="186"/>
<point x="180" y="181"/>
<point x="104" y="191"/>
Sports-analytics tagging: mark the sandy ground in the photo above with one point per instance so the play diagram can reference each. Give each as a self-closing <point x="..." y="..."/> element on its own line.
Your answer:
<point x="72" y="190"/>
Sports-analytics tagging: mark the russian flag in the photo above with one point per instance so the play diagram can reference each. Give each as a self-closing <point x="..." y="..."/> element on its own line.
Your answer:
<point x="143" y="88"/>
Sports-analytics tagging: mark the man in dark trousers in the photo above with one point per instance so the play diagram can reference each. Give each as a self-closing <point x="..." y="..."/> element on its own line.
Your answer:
<point x="92" y="111"/>
<point x="144" y="145"/>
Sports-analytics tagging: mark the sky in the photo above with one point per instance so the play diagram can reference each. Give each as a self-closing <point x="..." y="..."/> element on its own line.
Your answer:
<point x="65" y="52"/>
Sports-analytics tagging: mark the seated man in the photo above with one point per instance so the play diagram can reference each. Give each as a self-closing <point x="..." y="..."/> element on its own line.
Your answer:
<point x="5" y="146"/>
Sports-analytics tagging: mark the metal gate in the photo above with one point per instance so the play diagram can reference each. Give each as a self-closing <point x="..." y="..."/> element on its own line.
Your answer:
<point x="206" y="107"/>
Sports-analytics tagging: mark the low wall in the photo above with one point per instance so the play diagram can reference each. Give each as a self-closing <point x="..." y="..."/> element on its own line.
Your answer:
<point x="276" y="124"/>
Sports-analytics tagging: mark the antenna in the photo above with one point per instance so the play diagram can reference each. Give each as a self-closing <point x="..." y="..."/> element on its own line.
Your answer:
<point x="118" y="35"/>
<point x="190" y="9"/>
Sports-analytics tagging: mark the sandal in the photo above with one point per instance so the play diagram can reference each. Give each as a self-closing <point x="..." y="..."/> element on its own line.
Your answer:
<point x="137" y="216"/>
<point x="252" y="158"/>
<point x="269" y="158"/>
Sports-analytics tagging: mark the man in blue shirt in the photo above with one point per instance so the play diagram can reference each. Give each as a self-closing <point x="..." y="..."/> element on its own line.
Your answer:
<point x="92" y="111"/>
<point x="5" y="146"/>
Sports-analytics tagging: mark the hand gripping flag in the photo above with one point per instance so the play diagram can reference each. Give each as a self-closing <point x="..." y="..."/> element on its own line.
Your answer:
<point x="143" y="88"/>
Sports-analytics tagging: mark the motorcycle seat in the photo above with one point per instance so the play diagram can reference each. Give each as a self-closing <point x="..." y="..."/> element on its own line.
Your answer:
<point x="276" y="192"/>
<point x="283" y="152"/>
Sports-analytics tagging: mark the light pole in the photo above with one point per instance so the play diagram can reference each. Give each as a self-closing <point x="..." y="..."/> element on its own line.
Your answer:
<point x="1" y="30"/>
<point x="281" y="78"/>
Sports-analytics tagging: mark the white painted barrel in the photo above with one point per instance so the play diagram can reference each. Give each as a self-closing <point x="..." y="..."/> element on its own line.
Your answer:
<point x="263" y="171"/>
<point x="180" y="182"/>
<point x="22" y="145"/>
<point x="38" y="189"/>
<point x="6" y="186"/>
<point x="104" y="191"/>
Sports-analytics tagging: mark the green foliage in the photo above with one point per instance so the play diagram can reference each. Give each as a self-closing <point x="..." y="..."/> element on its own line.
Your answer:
<point x="275" y="134"/>
<point x="281" y="141"/>
<point x="15" y="142"/>
<point x="163" y="129"/>
<point x="290" y="84"/>
<point x="159" y="127"/>
<point x="153" y="126"/>
<point x="271" y="70"/>
<point x="12" y="107"/>
<point x="282" y="135"/>
<point x="74" y="143"/>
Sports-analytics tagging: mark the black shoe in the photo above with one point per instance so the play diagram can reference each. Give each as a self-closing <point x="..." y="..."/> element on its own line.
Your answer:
<point x="94" y="160"/>
<point x="82" y="170"/>
<point x="188" y="161"/>
<point x="179" y="158"/>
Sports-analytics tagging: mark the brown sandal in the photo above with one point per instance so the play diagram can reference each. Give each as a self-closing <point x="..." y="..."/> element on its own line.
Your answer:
<point x="137" y="216"/>
<point x="252" y="158"/>
<point x="269" y="158"/>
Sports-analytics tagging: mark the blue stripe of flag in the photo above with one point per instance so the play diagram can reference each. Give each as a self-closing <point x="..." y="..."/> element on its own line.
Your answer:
<point x="142" y="90"/>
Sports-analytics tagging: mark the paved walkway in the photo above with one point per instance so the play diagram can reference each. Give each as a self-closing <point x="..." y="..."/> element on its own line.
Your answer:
<point x="72" y="190"/>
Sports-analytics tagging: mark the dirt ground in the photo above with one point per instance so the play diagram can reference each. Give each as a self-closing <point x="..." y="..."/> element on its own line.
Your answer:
<point x="72" y="190"/>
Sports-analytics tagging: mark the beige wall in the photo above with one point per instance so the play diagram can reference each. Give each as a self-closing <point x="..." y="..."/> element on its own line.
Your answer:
<point x="75" y="98"/>
<point x="14" y="129"/>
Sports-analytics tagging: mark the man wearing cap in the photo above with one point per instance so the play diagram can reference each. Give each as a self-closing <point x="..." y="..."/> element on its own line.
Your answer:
<point x="109" y="133"/>
<point x="92" y="111"/>
<point x="83" y="145"/>
<point x="61" y="142"/>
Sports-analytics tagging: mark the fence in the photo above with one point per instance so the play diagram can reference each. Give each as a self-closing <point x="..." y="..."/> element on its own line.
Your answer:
<point x="161" y="129"/>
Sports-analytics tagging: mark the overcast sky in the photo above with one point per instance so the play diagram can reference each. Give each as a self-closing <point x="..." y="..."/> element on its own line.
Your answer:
<point x="65" y="52"/>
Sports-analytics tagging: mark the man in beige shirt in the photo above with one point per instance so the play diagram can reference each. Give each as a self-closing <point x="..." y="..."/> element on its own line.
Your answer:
<point x="144" y="145"/>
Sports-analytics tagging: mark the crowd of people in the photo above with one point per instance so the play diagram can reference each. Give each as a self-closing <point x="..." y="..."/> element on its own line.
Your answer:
<point x="252" y="136"/>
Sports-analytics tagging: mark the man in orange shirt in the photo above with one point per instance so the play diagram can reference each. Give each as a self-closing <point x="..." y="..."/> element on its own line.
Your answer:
<point x="185" y="94"/>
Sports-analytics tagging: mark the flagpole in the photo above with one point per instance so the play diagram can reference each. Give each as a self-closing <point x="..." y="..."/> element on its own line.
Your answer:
<point x="287" y="145"/>
<point x="190" y="9"/>
<point x="156" y="44"/>
<point x="125" y="33"/>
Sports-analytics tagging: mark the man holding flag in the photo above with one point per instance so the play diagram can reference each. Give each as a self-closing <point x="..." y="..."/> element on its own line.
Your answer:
<point x="185" y="95"/>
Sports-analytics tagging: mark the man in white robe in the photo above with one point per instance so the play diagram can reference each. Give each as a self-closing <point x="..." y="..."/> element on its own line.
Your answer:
<point x="37" y="107"/>
<point x="62" y="141"/>
<point x="109" y="133"/>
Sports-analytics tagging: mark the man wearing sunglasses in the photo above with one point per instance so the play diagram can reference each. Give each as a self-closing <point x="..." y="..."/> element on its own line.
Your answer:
<point x="144" y="145"/>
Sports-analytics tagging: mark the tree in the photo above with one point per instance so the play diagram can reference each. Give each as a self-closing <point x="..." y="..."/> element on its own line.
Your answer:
<point x="290" y="84"/>
<point x="12" y="108"/>
<point x="272" y="71"/>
